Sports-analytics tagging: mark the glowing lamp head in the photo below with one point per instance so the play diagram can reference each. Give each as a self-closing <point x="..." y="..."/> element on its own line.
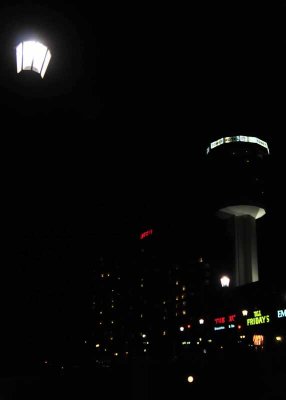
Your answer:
<point x="224" y="280"/>
<point x="32" y="56"/>
<point x="190" y="379"/>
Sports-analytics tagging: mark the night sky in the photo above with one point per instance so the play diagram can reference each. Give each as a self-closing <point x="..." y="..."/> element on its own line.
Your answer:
<point x="113" y="138"/>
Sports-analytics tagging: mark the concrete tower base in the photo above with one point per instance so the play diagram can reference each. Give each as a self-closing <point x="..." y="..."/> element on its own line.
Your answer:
<point x="246" y="265"/>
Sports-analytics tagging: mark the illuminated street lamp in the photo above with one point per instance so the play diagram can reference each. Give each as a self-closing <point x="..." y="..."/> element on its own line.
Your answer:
<point x="224" y="280"/>
<point x="32" y="56"/>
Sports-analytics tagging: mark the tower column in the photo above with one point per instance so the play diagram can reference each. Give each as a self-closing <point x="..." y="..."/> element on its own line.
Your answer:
<point x="246" y="266"/>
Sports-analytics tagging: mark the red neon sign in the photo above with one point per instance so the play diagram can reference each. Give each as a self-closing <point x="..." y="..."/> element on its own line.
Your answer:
<point x="220" y="320"/>
<point x="223" y="320"/>
<point x="145" y="234"/>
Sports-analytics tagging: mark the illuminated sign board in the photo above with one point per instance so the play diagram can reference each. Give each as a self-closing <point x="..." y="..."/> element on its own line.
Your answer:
<point x="218" y="328"/>
<point x="258" y="340"/>
<point x="240" y="138"/>
<point x="281" y="313"/>
<point x="221" y="321"/>
<point x="145" y="234"/>
<point x="258" y="319"/>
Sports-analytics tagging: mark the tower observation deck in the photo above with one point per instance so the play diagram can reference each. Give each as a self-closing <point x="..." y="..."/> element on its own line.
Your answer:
<point x="237" y="172"/>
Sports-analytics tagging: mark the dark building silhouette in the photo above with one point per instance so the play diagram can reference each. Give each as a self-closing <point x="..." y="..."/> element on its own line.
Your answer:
<point x="143" y="299"/>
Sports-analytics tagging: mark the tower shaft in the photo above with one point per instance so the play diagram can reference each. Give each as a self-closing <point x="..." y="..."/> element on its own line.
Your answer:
<point x="246" y="266"/>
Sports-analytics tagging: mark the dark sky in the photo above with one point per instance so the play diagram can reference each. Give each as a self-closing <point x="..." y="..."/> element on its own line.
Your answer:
<point x="114" y="137"/>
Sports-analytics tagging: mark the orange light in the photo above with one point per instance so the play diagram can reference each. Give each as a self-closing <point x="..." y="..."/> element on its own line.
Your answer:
<point x="258" y="340"/>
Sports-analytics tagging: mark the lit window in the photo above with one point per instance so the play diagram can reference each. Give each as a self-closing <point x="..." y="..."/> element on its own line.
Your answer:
<point x="184" y="312"/>
<point x="177" y="282"/>
<point x="183" y="288"/>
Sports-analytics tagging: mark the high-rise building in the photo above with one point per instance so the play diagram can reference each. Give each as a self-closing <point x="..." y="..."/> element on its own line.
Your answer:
<point x="237" y="172"/>
<point x="144" y="300"/>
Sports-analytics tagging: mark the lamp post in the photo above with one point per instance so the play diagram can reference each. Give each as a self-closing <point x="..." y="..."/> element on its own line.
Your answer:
<point x="33" y="56"/>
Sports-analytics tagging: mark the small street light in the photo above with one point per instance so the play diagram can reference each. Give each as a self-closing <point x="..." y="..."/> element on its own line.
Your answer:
<point x="224" y="280"/>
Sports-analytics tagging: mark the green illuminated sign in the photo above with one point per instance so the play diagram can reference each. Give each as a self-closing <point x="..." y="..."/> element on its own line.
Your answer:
<point x="258" y="319"/>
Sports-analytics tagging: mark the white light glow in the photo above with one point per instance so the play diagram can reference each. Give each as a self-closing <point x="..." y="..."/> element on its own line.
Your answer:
<point x="224" y="280"/>
<point x="32" y="56"/>
<point x="240" y="138"/>
<point x="19" y="56"/>
<point x="190" y="379"/>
